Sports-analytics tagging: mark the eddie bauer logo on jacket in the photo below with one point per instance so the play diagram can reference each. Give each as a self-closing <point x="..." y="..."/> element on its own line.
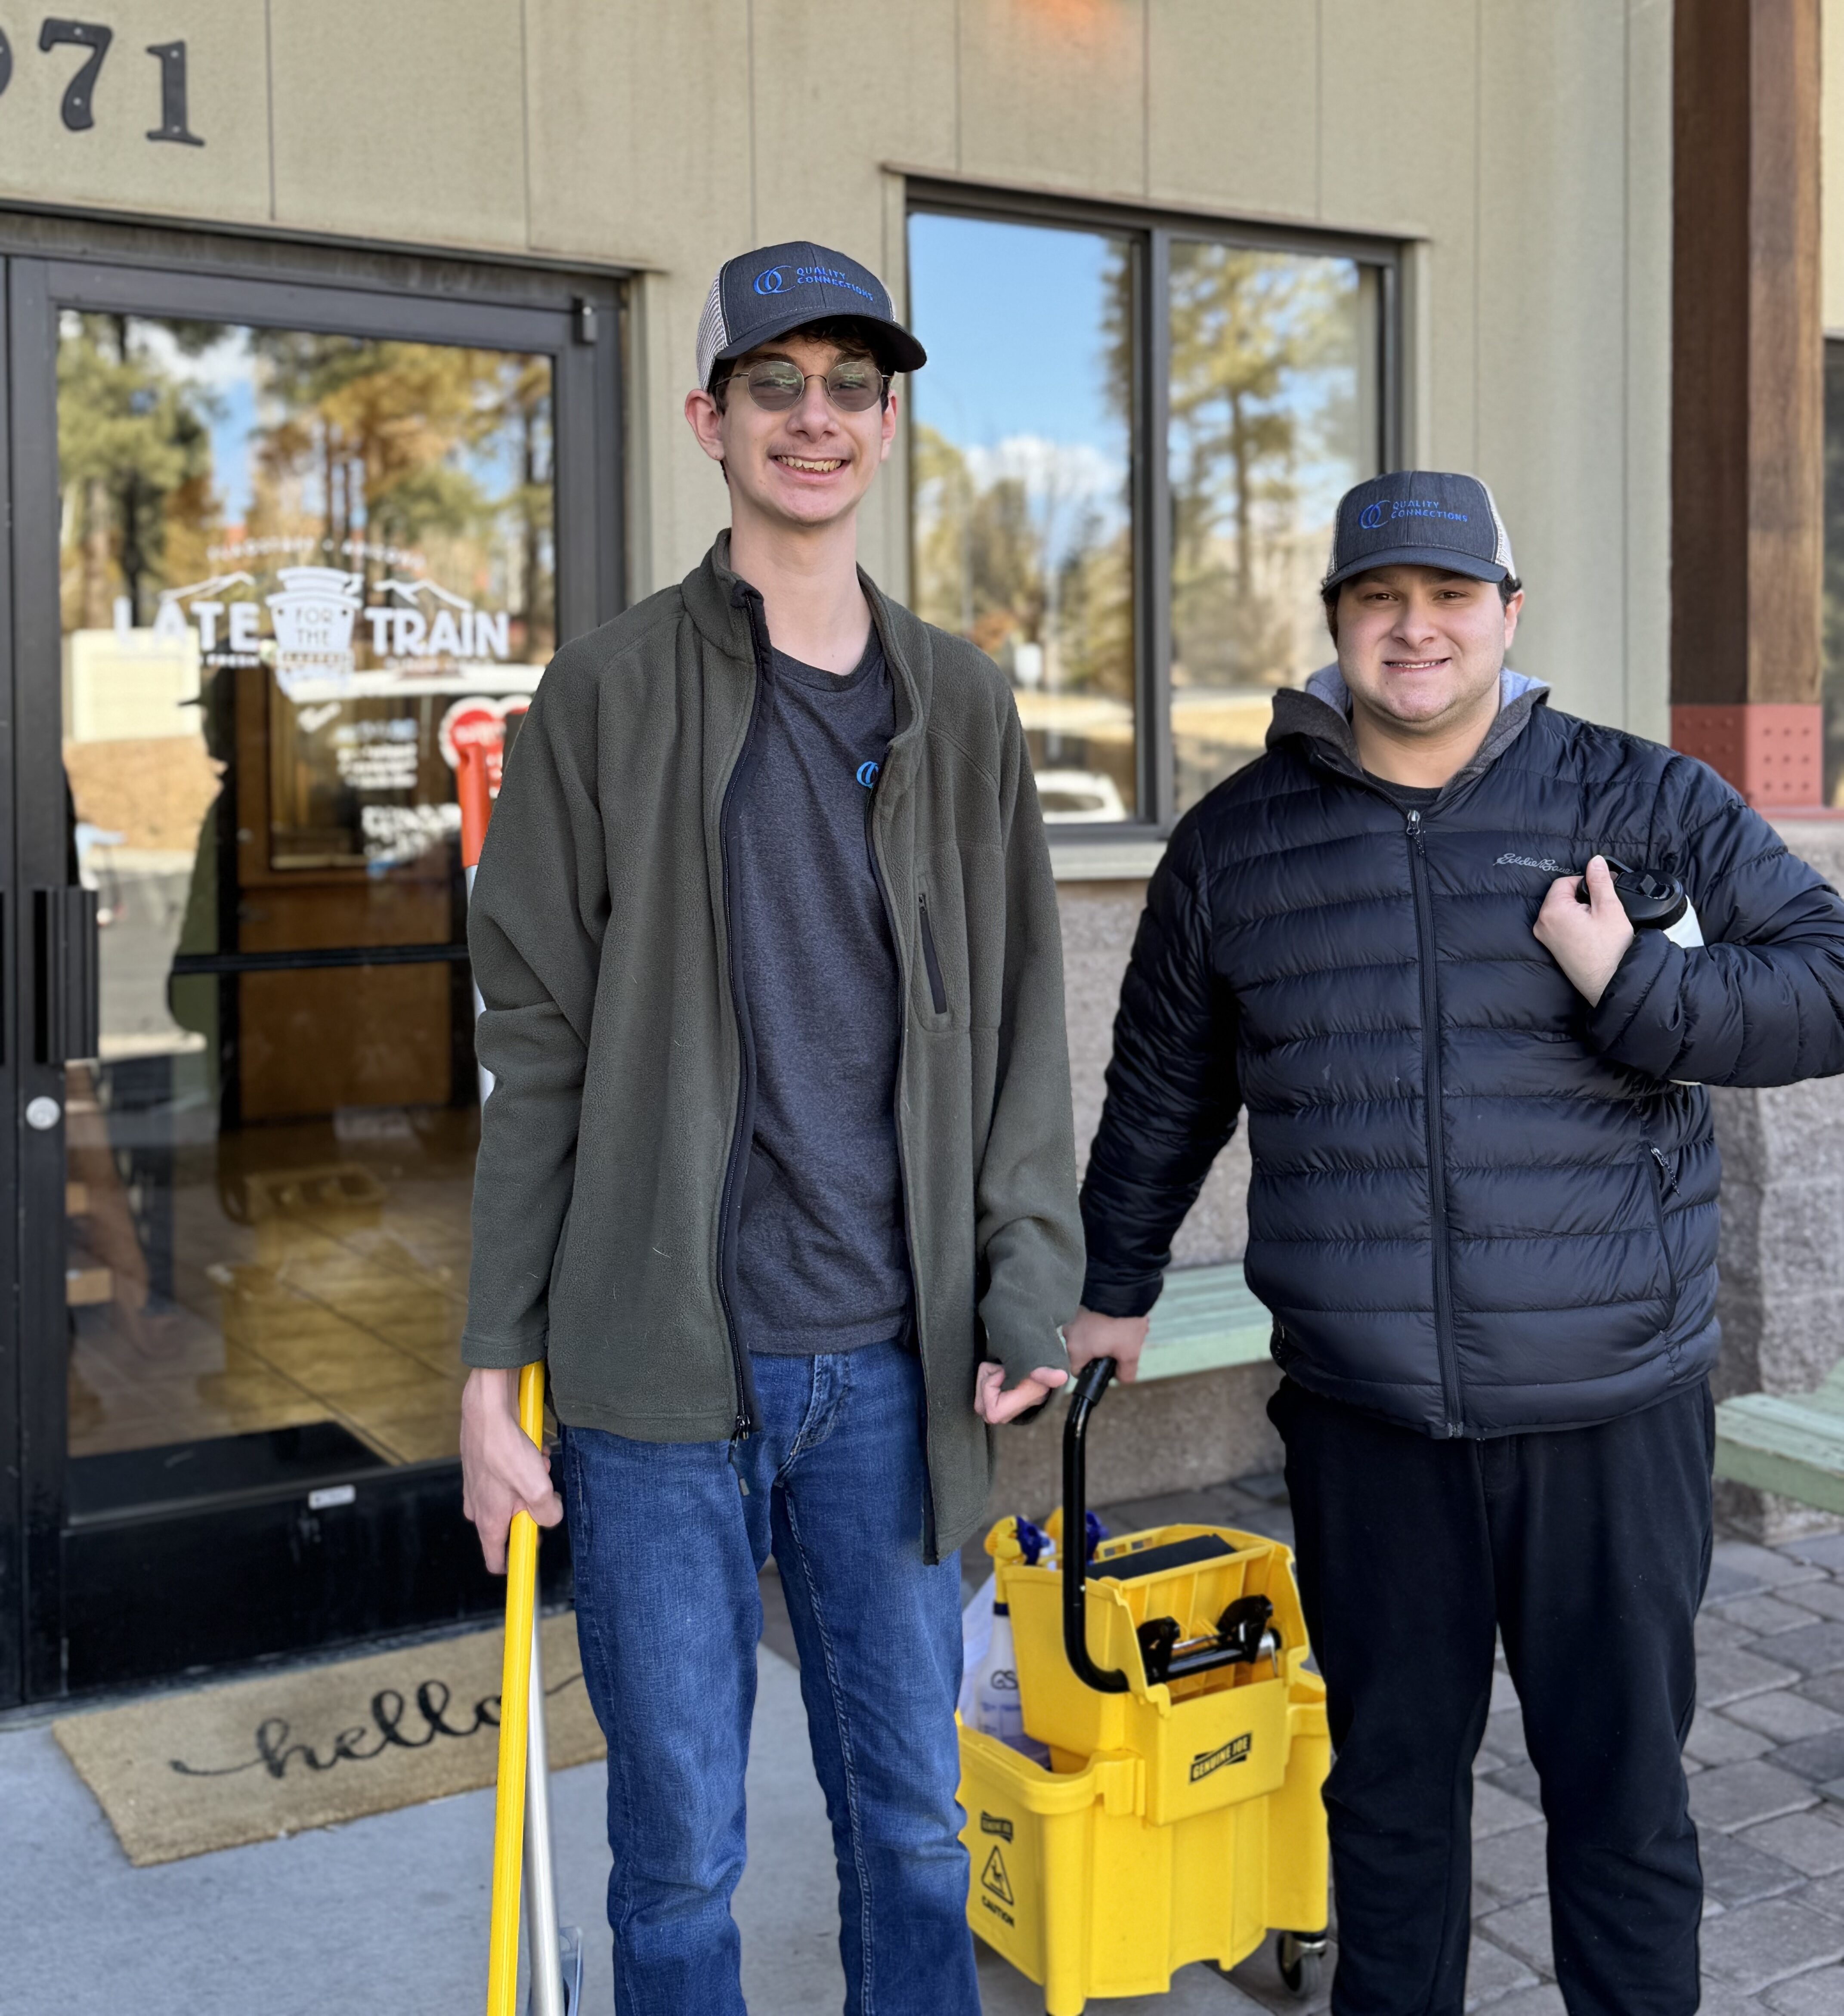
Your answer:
<point x="1234" y="1751"/>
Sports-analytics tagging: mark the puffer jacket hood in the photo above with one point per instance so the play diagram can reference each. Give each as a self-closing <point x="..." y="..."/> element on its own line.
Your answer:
<point x="1478" y="1206"/>
<point x="1321" y="711"/>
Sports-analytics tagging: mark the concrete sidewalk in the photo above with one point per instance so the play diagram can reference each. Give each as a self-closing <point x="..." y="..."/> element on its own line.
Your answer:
<point x="387" y="1916"/>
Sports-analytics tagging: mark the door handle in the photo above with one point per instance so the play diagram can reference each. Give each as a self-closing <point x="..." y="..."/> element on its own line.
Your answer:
<point x="68" y="1016"/>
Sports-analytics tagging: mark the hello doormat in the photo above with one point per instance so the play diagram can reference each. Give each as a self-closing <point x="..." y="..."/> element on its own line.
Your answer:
<point x="189" y="1773"/>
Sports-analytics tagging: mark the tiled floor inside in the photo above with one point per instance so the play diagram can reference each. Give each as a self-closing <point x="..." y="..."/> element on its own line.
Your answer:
<point x="307" y="1272"/>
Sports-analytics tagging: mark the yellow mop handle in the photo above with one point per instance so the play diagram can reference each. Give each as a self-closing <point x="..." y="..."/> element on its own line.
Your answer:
<point x="515" y="1678"/>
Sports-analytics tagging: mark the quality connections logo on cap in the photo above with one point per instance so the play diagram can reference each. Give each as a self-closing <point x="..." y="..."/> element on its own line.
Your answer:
<point x="1420" y="517"/>
<point x="777" y="289"/>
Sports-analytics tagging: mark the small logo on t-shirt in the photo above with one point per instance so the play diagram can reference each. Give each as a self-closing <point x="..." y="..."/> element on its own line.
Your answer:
<point x="867" y="774"/>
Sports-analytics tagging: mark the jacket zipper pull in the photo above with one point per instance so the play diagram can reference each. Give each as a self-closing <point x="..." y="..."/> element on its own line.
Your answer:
<point x="1666" y="1171"/>
<point x="1414" y="818"/>
<point x="741" y="1429"/>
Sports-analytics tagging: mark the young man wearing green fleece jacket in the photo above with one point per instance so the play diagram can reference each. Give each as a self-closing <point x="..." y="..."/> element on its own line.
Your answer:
<point x="777" y="1174"/>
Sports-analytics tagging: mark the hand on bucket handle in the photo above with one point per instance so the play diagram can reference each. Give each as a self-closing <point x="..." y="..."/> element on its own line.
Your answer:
<point x="1090" y="1335"/>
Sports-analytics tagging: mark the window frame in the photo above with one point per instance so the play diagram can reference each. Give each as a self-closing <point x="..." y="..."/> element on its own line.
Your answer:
<point x="1150" y="230"/>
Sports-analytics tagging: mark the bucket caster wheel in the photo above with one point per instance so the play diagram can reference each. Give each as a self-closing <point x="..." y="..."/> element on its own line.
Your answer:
<point x="1301" y="1957"/>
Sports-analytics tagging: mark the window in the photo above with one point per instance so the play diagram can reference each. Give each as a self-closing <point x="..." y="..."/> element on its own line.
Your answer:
<point x="1124" y="454"/>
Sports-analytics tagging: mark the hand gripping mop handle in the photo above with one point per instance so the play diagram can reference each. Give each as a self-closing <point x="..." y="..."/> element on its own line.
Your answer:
<point x="515" y="1694"/>
<point x="1091" y="1383"/>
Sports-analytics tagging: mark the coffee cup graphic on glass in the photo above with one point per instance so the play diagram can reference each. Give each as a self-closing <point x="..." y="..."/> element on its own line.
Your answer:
<point x="313" y="612"/>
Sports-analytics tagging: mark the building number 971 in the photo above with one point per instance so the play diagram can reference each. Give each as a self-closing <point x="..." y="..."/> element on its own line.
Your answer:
<point x="93" y="39"/>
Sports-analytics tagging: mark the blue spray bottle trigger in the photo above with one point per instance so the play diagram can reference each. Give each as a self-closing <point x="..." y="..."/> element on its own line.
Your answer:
<point x="1032" y="1540"/>
<point x="1093" y="1534"/>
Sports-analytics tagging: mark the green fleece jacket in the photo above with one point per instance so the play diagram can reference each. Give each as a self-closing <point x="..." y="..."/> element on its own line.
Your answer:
<point x="615" y="1140"/>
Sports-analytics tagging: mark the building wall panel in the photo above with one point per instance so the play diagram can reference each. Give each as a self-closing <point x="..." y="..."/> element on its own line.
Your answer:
<point x="1646" y="495"/>
<point x="1553" y="99"/>
<point x="400" y="122"/>
<point x="639" y="152"/>
<point x="1413" y="177"/>
<point x="1233" y="88"/>
<point x="1052" y="92"/>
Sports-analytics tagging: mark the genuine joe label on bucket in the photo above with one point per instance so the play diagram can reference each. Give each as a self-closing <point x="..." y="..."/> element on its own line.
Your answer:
<point x="991" y="1823"/>
<point x="1234" y="1751"/>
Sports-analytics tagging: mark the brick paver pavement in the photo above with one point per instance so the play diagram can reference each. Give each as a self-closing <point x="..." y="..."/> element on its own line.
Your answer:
<point x="1766" y="1757"/>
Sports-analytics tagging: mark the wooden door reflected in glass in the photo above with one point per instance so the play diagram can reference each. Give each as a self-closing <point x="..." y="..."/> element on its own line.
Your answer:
<point x="298" y="572"/>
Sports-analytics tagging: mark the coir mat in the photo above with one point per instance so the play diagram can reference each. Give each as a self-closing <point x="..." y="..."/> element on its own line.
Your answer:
<point x="186" y="1773"/>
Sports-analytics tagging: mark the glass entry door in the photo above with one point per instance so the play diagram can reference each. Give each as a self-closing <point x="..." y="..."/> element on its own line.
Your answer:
<point x="299" y="566"/>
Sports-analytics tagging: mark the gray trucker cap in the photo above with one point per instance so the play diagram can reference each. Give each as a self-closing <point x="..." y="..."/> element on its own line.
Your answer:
<point x="1420" y="517"/>
<point x="760" y="295"/>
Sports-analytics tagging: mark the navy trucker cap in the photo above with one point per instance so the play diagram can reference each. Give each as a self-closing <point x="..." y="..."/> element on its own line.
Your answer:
<point x="1420" y="517"/>
<point x="758" y="296"/>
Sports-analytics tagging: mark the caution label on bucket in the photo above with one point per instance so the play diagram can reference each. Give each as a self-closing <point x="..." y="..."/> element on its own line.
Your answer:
<point x="994" y="1878"/>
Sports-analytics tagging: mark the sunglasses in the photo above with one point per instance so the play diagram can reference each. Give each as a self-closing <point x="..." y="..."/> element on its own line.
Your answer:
<point x="854" y="384"/>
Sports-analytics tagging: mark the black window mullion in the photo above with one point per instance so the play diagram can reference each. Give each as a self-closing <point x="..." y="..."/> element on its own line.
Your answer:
<point x="1153" y="508"/>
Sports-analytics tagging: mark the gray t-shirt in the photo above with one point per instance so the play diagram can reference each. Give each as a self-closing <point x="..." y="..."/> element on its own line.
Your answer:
<point x="822" y="1261"/>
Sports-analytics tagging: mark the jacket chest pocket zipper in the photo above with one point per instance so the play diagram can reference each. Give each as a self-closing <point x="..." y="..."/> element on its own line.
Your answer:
<point x="937" y="987"/>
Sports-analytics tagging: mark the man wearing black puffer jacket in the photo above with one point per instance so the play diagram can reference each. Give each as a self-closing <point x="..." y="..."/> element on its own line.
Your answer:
<point x="1483" y="1213"/>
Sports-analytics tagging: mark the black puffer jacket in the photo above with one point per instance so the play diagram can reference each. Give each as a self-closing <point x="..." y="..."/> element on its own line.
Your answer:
<point x="1513" y="1226"/>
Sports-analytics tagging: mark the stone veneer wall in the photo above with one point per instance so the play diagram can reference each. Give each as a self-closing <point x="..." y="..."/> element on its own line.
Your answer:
<point x="1174" y="1435"/>
<point x="1781" y="1299"/>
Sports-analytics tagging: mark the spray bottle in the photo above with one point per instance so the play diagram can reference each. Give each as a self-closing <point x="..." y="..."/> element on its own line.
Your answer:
<point x="992" y="1703"/>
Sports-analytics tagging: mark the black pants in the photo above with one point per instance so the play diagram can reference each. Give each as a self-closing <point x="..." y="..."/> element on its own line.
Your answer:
<point x="1588" y="1550"/>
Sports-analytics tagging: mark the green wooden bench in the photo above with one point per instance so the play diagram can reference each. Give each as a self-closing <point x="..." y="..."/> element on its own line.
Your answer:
<point x="1205" y="1319"/>
<point x="1792" y="1443"/>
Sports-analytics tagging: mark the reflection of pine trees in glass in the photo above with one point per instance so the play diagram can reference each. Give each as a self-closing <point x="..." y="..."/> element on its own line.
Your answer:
<point x="979" y="568"/>
<point x="1263" y="381"/>
<point x="1012" y="545"/>
<point x="1015" y="560"/>
<point x="381" y="443"/>
<point x="135" y="462"/>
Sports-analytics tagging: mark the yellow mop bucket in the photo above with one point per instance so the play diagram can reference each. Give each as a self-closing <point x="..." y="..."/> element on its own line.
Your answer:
<point x="1180" y="1818"/>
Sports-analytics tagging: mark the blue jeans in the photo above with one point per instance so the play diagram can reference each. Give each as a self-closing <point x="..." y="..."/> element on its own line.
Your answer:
<point x="667" y="1549"/>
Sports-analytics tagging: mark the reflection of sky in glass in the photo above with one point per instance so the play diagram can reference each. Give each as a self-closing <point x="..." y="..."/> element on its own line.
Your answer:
<point x="1011" y="316"/>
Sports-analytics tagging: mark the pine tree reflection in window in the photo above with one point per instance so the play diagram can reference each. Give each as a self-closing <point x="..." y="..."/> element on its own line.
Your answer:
<point x="1268" y="424"/>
